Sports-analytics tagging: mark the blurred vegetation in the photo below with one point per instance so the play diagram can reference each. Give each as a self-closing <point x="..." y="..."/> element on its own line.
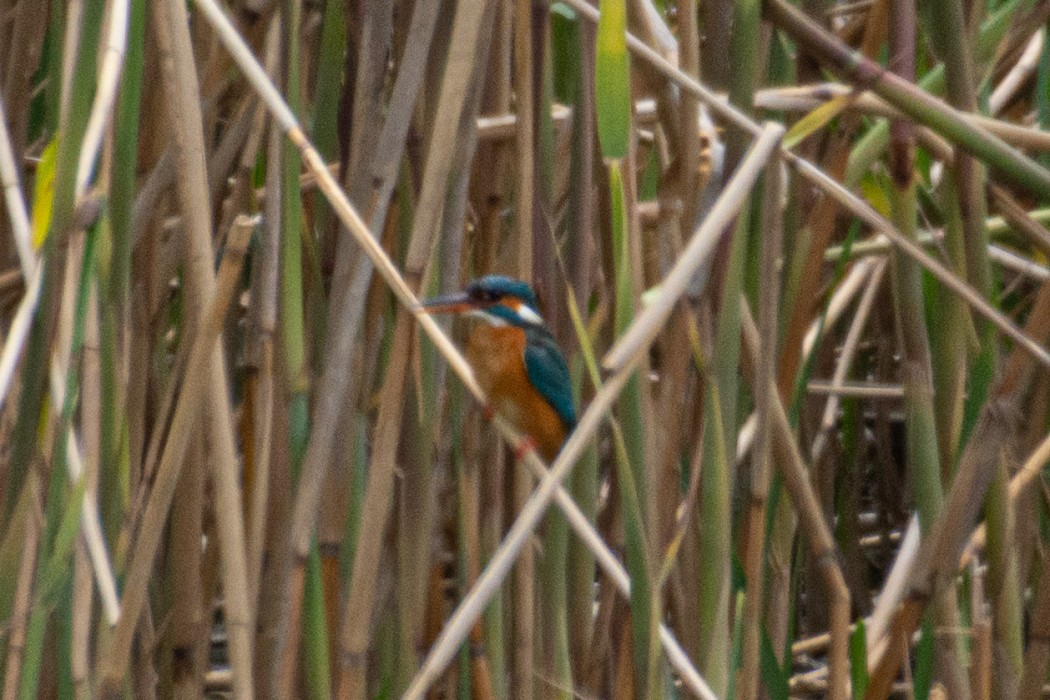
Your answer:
<point x="800" y="249"/>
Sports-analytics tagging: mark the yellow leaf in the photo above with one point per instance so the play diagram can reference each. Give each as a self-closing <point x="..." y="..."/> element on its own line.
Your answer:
<point x="612" y="84"/>
<point x="816" y="120"/>
<point x="875" y="194"/>
<point x="44" y="193"/>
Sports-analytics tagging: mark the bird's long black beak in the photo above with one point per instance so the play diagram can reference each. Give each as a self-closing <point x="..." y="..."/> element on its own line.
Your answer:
<point x="448" y="304"/>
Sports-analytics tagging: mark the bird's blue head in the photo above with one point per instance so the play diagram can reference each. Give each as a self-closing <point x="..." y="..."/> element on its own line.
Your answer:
<point x="496" y="299"/>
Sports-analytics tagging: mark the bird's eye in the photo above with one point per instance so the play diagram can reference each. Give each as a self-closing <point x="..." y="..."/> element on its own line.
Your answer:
<point x="487" y="295"/>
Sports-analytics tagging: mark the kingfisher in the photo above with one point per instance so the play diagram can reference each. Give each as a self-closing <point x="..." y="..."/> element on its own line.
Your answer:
<point x="515" y="358"/>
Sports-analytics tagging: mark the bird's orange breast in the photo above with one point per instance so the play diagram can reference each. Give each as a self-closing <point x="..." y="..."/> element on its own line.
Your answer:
<point x="497" y="354"/>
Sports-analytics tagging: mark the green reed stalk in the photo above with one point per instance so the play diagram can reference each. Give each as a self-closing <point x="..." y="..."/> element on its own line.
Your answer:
<point x="923" y="457"/>
<point x="630" y="466"/>
<point x="555" y="564"/>
<point x="326" y="97"/>
<point x="62" y="510"/>
<point x="716" y="485"/>
<point x="613" y="98"/>
<point x="53" y="563"/>
<point x="113" y="473"/>
<point x="314" y="631"/>
<point x="125" y="157"/>
<point x="720" y="396"/>
<point x="944" y="25"/>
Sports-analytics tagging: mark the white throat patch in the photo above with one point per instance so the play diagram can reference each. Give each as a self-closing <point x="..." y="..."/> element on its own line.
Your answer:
<point x="529" y="315"/>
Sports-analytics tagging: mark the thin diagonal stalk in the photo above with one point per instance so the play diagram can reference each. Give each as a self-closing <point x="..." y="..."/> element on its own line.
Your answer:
<point x="849" y="348"/>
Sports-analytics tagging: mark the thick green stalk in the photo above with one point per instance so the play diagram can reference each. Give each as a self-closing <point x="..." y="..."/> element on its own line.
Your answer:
<point x="580" y="576"/>
<point x="64" y="639"/>
<point x="613" y="102"/>
<point x="554" y="565"/>
<point x="720" y="398"/>
<point x="944" y="24"/>
<point x="292" y="325"/>
<point x="923" y="457"/>
<point x="112" y="436"/>
<point x="950" y="330"/>
<point x="747" y="17"/>
<point x="555" y="605"/>
<point x="630" y="463"/>
<point x="715" y="547"/>
<point x="315" y="639"/>
<point x="293" y="337"/>
<point x="1003" y="589"/>
<point x="967" y="238"/>
<point x="716" y="479"/>
<point x="125" y="157"/>
<point x="326" y="96"/>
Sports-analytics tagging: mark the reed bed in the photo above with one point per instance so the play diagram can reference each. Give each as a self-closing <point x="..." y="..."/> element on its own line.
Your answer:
<point x="796" y="256"/>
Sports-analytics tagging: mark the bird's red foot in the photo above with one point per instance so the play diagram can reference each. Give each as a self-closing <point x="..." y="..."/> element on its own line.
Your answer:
<point x="488" y="413"/>
<point x="523" y="448"/>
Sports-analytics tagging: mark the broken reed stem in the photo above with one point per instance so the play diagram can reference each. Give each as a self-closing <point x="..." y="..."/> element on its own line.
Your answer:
<point x="806" y="98"/>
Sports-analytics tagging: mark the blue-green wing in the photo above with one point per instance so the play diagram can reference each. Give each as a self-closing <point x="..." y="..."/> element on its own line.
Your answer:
<point x="549" y="374"/>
